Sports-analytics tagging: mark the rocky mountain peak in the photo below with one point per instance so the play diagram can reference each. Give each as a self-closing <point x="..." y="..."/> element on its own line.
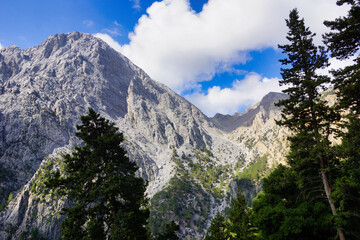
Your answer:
<point x="269" y="100"/>
<point x="45" y="89"/>
<point x="229" y="123"/>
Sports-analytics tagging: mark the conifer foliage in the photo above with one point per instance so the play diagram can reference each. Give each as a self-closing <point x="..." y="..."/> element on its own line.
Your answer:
<point x="217" y="229"/>
<point x="239" y="219"/>
<point x="108" y="200"/>
<point x="236" y="226"/>
<point x="282" y="212"/>
<point x="344" y="42"/>
<point x="311" y="156"/>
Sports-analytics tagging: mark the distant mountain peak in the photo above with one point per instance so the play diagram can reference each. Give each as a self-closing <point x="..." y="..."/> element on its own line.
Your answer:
<point x="229" y="123"/>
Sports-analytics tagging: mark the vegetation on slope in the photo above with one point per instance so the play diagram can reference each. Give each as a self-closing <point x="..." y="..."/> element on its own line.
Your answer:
<point x="183" y="201"/>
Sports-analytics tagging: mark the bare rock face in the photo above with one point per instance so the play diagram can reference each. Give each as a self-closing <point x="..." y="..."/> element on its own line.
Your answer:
<point x="45" y="89"/>
<point x="229" y="123"/>
<point x="162" y="115"/>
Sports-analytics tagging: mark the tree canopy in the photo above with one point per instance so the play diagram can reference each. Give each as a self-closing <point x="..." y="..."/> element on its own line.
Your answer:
<point x="344" y="42"/>
<point x="311" y="157"/>
<point x="107" y="199"/>
<point x="236" y="226"/>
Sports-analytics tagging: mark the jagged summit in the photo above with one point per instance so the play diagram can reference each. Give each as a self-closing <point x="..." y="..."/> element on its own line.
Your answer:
<point x="229" y="123"/>
<point x="45" y="89"/>
<point x="78" y="62"/>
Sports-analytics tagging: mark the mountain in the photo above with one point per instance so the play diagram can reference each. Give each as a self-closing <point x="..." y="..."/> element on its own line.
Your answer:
<point x="229" y="123"/>
<point x="194" y="164"/>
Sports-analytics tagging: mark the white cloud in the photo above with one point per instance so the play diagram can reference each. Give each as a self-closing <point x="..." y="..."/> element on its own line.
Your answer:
<point x="242" y="94"/>
<point x="109" y="40"/>
<point x="336" y="64"/>
<point x="1" y="46"/>
<point x="136" y="4"/>
<point x="180" y="47"/>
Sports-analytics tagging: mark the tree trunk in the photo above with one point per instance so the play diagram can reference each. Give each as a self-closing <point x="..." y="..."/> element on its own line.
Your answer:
<point x="328" y="193"/>
<point x="324" y="177"/>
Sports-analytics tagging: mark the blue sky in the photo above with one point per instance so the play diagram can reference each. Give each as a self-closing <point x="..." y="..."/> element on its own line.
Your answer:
<point x="219" y="54"/>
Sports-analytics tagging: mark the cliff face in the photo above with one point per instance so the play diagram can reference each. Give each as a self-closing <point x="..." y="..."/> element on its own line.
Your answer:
<point x="45" y="89"/>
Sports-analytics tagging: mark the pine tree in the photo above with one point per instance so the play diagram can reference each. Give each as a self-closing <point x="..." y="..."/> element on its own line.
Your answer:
<point x="236" y="225"/>
<point x="306" y="114"/>
<point x="108" y="200"/>
<point x="347" y="186"/>
<point x="217" y="229"/>
<point x="239" y="219"/>
<point x="344" y="42"/>
<point x="170" y="232"/>
<point x="280" y="211"/>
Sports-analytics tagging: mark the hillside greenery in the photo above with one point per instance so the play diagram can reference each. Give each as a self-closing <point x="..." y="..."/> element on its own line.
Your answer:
<point x="256" y="170"/>
<point x="183" y="201"/>
<point x="214" y="178"/>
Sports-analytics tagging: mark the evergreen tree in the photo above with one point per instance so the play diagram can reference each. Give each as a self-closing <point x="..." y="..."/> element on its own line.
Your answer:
<point x="347" y="186"/>
<point x="170" y="232"/>
<point x="217" y="229"/>
<point x="108" y="200"/>
<point x="307" y="115"/>
<point x="344" y="42"/>
<point x="239" y="219"/>
<point x="282" y="212"/>
<point x="236" y="225"/>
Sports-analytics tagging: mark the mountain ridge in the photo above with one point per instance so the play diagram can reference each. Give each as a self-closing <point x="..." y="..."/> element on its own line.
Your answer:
<point x="44" y="91"/>
<point x="229" y="123"/>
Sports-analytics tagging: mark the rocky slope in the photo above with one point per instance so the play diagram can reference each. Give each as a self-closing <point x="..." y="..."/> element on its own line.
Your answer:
<point x="45" y="89"/>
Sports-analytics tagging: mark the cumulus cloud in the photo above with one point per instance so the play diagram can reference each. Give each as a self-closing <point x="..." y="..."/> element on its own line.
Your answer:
<point x="242" y="94"/>
<point x="180" y="47"/>
<point x="1" y="46"/>
<point x="109" y="40"/>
